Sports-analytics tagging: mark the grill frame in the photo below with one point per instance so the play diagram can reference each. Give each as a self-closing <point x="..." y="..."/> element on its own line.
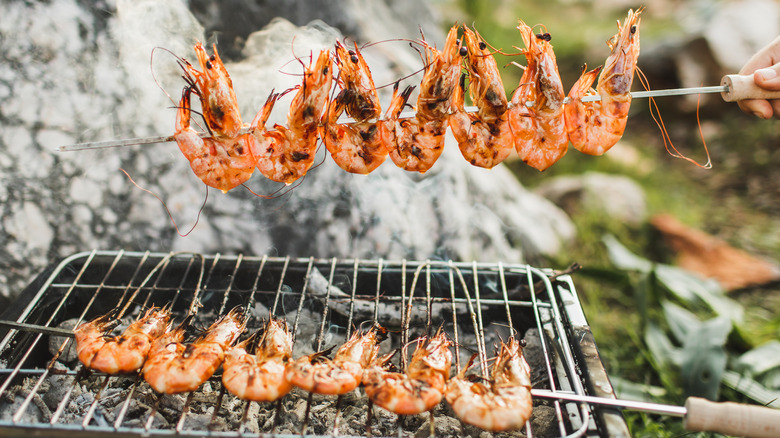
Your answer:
<point x="574" y="367"/>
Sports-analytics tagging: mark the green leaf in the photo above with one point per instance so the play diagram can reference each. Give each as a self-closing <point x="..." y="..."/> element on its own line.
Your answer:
<point x="760" y="360"/>
<point x="624" y="259"/>
<point x="704" y="357"/>
<point x="661" y="348"/>
<point x="680" y="320"/>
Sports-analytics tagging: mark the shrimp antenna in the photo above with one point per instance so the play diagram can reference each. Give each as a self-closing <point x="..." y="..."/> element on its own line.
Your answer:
<point x="179" y="60"/>
<point x="494" y="50"/>
<point x="655" y="113"/>
<point x="167" y="210"/>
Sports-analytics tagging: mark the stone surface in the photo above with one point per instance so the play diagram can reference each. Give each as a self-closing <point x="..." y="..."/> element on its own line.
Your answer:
<point x="74" y="71"/>
<point x="615" y="196"/>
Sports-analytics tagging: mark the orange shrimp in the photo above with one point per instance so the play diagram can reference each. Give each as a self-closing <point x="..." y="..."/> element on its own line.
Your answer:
<point x="215" y="89"/>
<point x="419" y="140"/>
<point x="539" y="129"/>
<point x="502" y="405"/>
<point x="173" y="367"/>
<point x="125" y="353"/>
<point x="356" y="147"/>
<point x="320" y="375"/>
<point x="285" y="153"/>
<point x="423" y="385"/>
<point x="260" y="377"/>
<point x="360" y="147"/>
<point x="594" y="127"/>
<point x="220" y="162"/>
<point x="485" y="138"/>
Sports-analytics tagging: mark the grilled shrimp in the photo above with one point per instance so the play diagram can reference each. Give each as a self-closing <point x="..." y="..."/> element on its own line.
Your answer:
<point x="419" y="140"/>
<point x="539" y="131"/>
<point x="358" y="93"/>
<point x="173" y="367"/>
<point x="215" y="89"/>
<point x="502" y="405"/>
<point x="285" y="153"/>
<point x="421" y="388"/>
<point x="594" y="127"/>
<point x="485" y="138"/>
<point x="320" y="375"/>
<point x="220" y="162"/>
<point x="260" y="377"/>
<point x="360" y="147"/>
<point x="125" y="353"/>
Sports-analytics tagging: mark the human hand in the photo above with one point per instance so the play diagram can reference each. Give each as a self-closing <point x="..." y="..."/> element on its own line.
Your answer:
<point x="765" y="68"/>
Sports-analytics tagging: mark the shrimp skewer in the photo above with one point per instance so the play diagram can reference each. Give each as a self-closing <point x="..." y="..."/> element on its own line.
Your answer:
<point x="220" y="162"/>
<point x="356" y="147"/>
<point x="260" y="377"/>
<point x="419" y="140"/>
<point x="320" y="375"/>
<point x="125" y="353"/>
<point x="215" y="89"/>
<point x="485" y="138"/>
<point x="423" y="385"/>
<point x="285" y="153"/>
<point x="539" y="131"/>
<point x="594" y="127"/>
<point x="502" y="405"/>
<point x="173" y="367"/>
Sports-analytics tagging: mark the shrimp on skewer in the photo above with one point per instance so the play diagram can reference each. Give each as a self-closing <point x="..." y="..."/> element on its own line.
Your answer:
<point x="125" y="353"/>
<point x="356" y="147"/>
<point x="320" y="375"/>
<point x="419" y="140"/>
<point x="173" y="367"/>
<point x="502" y="405"/>
<point x="485" y="138"/>
<point x="360" y="147"/>
<point x="215" y="89"/>
<point x="285" y="153"/>
<point x="220" y="162"/>
<point x="260" y="377"/>
<point x="539" y="130"/>
<point x="418" y="390"/>
<point x="594" y="127"/>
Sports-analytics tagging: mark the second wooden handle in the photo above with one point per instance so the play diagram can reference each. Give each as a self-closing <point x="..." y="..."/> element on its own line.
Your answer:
<point x="731" y="418"/>
<point x="742" y="87"/>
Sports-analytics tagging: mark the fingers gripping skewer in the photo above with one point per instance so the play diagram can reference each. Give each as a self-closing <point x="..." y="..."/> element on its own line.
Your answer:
<point x="733" y="88"/>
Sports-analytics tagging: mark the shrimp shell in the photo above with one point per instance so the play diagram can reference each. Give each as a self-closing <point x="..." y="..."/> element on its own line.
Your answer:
<point x="215" y="89"/>
<point x="174" y="367"/>
<point x="317" y="374"/>
<point x="539" y="131"/>
<point x="594" y="127"/>
<point x="421" y="388"/>
<point x="220" y="162"/>
<point x="503" y="405"/>
<point x="125" y="353"/>
<point x="260" y="377"/>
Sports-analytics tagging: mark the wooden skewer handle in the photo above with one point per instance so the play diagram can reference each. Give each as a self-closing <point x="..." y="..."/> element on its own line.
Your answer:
<point x="731" y="418"/>
<point x="742" y="87"/>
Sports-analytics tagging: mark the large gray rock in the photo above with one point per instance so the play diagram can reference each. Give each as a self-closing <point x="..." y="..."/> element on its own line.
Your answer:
<point x="71" y="73"/>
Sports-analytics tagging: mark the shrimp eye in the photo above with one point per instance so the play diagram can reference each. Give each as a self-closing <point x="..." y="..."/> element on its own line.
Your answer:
<point x="463" y="51"/>
<point x="482" y="45"/>
<point x="212" y="58"/>
<point x="547" y="37"/>
<point x="208" y="65"/>
<point x="633" y="29"/>
<point x="351" y="52"/>
<point x="353" y="58"/>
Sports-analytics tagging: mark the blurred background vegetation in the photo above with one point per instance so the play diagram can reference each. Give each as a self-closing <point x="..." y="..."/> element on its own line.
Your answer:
<point x="736" y="200"/>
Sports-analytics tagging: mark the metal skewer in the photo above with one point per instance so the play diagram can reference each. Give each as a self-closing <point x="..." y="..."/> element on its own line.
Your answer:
<point x="733" y="88"/>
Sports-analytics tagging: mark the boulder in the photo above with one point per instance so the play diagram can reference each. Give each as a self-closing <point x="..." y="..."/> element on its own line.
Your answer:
<point x="76" y="72"/>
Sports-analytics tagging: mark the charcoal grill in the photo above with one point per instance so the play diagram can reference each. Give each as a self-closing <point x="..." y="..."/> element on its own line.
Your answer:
<point x="45" y="392"/>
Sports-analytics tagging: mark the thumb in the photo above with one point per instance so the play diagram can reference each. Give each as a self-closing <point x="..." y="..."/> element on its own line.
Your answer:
<point x="768" y="78"/>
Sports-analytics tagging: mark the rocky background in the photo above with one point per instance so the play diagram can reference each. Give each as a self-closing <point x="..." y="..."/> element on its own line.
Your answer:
<point x="76" y="71"/>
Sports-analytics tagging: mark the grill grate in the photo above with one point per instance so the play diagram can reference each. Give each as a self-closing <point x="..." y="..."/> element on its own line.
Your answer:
<point x="45" y="392"/>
